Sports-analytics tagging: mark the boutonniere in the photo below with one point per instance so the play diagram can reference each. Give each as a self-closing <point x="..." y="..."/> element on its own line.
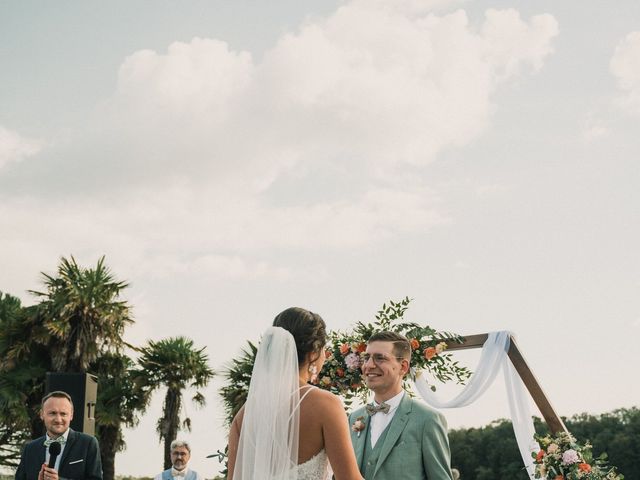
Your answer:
<point x="358" y="425"/>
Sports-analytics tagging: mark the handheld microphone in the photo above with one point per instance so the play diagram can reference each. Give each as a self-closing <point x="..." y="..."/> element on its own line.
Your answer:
<point x="54" y="451"/>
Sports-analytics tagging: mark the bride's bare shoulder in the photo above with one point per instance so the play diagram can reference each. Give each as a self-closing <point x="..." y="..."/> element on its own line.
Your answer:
<point x="322" y="398"/>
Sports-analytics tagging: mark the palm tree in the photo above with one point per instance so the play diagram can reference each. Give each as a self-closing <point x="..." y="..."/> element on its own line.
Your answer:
<point x="78" y="325"/>
<point x="82" y="314"/>
<point x="177" y="365"/>
<point x="23" y="364"/>
<point x="120" y="401"/>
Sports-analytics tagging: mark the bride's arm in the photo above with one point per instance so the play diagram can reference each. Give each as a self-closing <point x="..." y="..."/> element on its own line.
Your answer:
<point x="234" y="439"/>
<point x="337" y="441"/>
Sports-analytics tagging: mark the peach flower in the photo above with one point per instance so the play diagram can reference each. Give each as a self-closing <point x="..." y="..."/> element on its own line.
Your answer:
<point x="430" y="352"/>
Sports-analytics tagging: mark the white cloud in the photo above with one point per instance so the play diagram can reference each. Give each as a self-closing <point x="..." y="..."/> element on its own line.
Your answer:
<point x="373" y="86"/>
<point x="512" y="45"/>
<point x="14" y="147"/>
<point x="625" y="66"/>
<point x="595" y="128"/>
<point x="199" y="141"/>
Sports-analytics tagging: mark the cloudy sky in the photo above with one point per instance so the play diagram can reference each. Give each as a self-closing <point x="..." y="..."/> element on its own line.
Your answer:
<point x="232" y="159"/>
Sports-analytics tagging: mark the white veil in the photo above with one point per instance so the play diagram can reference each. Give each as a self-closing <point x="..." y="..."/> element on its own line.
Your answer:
<point x="268" y="446"/>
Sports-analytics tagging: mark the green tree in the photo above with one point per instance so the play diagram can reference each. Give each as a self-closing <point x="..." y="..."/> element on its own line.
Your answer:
<point x="23" y="363"/>
<point x="120" y="401"/>
<point x="77" y="326"/>
<point x="175" y="364"/>
<point x="83" y="314"/>
<point x="617" y="433"/>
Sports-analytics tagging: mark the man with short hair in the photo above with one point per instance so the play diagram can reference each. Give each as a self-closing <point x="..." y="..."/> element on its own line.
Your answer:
<point x="79" y="457"/>
<point x="397" y="437"/>
<point x="180" y="455"/>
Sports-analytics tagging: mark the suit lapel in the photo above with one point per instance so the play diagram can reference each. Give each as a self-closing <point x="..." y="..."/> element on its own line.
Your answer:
<point x="359" y="441"/>
<point x="43" y="450"/>
<point x="396" y="427"/>
<point x="71" y="438"/>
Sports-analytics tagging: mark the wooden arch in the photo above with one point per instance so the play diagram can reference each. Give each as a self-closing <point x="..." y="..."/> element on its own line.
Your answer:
<point x="550" y="416"/>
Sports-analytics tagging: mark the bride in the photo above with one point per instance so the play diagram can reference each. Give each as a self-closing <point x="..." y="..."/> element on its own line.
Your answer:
<point x="288" y="429"/>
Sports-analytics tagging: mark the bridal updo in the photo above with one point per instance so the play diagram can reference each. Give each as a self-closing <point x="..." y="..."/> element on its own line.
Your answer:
<point x="308" y="330"/>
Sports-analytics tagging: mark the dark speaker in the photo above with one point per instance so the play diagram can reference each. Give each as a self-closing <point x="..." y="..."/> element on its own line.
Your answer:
<point x="83" y="389"/>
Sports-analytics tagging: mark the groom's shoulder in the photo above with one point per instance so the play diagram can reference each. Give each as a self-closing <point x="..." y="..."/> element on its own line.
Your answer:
<point x="421" y="409"/>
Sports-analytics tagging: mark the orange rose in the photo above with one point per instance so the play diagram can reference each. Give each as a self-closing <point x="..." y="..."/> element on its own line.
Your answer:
<point x="584" y="467"/>
<point x="415" y="344"/>
<point x="327" y="354"/>
<point x="361" y="347"/>
<point x="541" y="454"/>
<point x="340" y="372"/>
<point x="559" y="477"/>
<point x="345" y="348"/>
<point x="429" y="353"/>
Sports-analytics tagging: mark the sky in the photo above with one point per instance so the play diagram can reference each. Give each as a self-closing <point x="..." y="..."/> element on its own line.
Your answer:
<point x="232" y="159"/>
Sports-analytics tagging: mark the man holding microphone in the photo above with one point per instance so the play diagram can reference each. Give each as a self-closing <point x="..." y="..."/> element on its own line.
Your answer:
<point x="61" y="453"/>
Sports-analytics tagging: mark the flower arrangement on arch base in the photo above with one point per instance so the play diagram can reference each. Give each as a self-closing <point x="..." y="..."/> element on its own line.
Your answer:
<point x="561" y="458"/>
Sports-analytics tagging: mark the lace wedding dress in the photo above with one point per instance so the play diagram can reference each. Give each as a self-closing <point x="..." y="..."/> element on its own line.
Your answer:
<point x="316" y="468"/>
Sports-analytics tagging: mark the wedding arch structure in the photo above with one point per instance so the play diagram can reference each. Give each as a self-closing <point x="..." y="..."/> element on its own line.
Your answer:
<point x="553" y="420"/>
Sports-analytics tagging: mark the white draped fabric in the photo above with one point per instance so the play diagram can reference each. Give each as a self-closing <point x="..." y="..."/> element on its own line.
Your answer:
<point x="493" y="357"/>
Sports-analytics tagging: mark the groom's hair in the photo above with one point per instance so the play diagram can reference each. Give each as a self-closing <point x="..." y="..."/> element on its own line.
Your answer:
<point x="401" y="346"/>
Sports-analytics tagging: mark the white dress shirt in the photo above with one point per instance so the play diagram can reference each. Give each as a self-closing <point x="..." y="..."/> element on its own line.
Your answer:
<point x="381" y="420"/>
<point x="62" y="445"/>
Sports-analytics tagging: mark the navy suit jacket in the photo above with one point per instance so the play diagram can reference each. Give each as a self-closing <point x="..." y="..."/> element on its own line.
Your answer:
<point x="80" y="458"/>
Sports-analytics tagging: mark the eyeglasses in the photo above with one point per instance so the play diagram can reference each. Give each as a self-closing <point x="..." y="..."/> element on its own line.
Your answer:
<point x="378" y="358"/>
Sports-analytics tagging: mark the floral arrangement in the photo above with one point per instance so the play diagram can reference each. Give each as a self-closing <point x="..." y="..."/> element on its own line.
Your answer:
<point x="358" y="426"/>
<point x="341" y="373"/>
<point x="562" y="458"/>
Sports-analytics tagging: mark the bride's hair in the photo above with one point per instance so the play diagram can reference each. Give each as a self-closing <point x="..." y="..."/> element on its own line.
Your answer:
<point x="308" y="330"/>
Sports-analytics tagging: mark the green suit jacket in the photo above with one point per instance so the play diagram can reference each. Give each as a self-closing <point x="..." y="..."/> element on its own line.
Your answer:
<point x="416" y="445"/>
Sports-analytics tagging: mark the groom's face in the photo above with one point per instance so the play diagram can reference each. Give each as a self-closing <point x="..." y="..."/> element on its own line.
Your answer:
<point x="382" y="372"/>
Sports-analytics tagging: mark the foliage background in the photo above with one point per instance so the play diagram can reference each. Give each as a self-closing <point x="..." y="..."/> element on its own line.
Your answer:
<point x="491" y="452"/>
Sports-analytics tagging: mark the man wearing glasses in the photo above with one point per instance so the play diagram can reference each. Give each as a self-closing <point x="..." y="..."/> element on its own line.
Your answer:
<point x="396" y="437"/>
<point x="180" y="455"/>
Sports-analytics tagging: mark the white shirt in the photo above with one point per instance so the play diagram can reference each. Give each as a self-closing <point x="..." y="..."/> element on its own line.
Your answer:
<point x="381" y="420"/>
<point x="62" y="445"/>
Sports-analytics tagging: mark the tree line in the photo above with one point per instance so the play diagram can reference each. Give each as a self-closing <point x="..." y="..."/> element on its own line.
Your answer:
<point x="77" y="326"/>
<point x="491" y="452"/>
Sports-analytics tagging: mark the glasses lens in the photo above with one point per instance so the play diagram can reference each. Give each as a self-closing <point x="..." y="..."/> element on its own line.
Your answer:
<point x="376" y="357"/>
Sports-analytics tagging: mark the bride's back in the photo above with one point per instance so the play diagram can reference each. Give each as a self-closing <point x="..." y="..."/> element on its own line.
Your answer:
<point x="322" y="425"/>
<point x="315" y="407"/>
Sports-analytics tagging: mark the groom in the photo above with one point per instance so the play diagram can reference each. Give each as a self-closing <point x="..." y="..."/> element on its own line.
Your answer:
<point x="396" y="437"/>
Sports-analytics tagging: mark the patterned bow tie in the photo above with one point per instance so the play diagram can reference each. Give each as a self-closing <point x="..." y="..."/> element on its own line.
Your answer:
<point x="178" y="473"/>
<point x="372" y="409"/>
<point x="60" y="440"/>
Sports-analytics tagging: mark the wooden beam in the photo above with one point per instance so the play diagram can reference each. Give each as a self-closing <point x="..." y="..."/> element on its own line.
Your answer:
<point x="549" y="414"/>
